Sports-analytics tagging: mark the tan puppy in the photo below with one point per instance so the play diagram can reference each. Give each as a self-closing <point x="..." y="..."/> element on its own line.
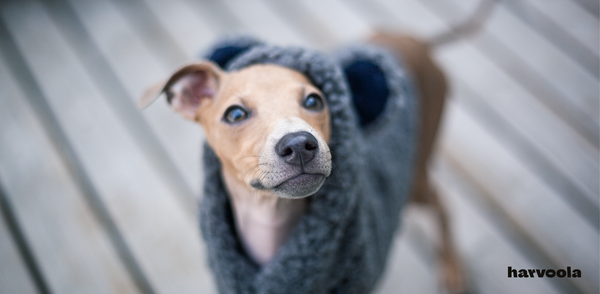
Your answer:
<point x="270" y="128"/>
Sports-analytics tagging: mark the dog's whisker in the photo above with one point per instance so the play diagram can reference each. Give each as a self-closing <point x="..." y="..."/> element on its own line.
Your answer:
<point x="251" y="170"/>
<point x="245" y="166"/>
<point x="247" y="171"/>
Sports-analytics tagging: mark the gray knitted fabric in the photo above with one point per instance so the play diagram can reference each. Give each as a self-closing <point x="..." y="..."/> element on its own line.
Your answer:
<point x="342" y="242"/>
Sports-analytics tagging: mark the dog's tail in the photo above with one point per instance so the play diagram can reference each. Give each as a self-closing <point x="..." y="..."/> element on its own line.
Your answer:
<point x="468" y="27"/>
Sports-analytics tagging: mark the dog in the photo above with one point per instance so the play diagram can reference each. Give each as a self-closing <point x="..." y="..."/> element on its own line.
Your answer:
<point x="270" y="128"/>
<point x="269" y="111"/>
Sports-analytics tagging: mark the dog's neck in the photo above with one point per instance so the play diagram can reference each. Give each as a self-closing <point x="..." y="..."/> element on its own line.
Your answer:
<point x="263" y="220"/>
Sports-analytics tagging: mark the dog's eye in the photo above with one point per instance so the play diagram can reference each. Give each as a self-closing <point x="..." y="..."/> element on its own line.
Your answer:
<point x="313" y="102"/>
<point x="235" y="114"/>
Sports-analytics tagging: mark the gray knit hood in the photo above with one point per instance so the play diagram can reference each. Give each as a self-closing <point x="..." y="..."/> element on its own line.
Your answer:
<point x="342" y="241"/>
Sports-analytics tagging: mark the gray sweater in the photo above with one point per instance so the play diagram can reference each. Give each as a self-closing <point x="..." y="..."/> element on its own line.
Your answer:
<point x="342" y="242"/>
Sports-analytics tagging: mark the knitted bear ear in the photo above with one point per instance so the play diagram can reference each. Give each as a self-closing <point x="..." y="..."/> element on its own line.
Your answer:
<point x="369" y="89"/>
<point x="228" y="48"/>
<point x="372" y="74"/>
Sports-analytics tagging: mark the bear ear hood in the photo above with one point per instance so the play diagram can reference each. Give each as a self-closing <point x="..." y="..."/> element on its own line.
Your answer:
<point x="239" y="51"/>
<point x="228" y="48"/>
<point x="374" y="77"/>
<point x="341" y="243"/>
<point x="367" y="72"/>
<point x="313" y="245"/>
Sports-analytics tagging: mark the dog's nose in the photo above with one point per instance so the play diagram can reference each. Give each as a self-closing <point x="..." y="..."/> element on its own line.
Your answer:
<point x="297" y="148"/>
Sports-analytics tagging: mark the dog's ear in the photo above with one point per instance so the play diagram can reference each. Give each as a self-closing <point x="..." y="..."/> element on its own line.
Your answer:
<point x="187" y="88"/>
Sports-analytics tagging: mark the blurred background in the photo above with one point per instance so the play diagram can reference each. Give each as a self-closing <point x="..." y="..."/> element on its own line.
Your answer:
<point x="99" y="197"/>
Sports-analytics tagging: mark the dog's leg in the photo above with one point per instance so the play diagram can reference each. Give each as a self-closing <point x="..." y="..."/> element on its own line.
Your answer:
<point x="451" y="267"/>
<point x="432" y="88"/>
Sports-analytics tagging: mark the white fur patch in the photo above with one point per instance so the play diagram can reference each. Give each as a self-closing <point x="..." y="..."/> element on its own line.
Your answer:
<point x="276" y="171"/>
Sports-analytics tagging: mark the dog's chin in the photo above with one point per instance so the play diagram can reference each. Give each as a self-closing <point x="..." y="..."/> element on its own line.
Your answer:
<point x="299" y="186"/>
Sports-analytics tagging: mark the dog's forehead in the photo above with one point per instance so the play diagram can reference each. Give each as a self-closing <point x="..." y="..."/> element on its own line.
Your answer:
<point x="265" y="79"/>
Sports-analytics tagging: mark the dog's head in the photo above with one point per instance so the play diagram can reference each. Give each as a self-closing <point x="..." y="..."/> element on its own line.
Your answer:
<point x="268" y="124"/>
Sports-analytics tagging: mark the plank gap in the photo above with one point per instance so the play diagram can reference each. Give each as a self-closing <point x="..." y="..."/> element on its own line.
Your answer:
<point x="61" y="143"/>
<point x="525" y="76"/>
<point x="556" y="35"/>
<point x="503" y="222"/>
<point x="146" y="23"/>
<point x="21" y="242"/>
<point x="118" y="98"/>
<point x="592" y="6"/>
<point x="526" y="152"/>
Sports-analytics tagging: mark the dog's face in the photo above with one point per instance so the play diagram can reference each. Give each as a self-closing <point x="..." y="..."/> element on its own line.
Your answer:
<point x="268" y="124"/>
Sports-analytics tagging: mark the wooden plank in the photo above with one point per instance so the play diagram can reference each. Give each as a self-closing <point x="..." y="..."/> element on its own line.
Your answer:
<point x="191" y="31"/>
<point x="577" y="22"/>
<point x="476" y="78"/>
<point x="52" y="126"/>
<point x="14" y="274"/>
<point x="559" y="35"/>
<point x="304" y="22"/>
<point x="517" y="108"/>
<point x="409" y="17"/>
<point x="379" y="18"/>
<point x="531" y="154"/>
<point x="570" y="172"/>
<point x="486" y="250"/>
<point x="137" y="68"/>
<point x="344" y="24"/>
<point x="126" y="109"/>
<point x="227" y="17"/>
<point x="406" y="270"/>
<point x="62" y="231"/>
<point x="538" y="66"/>
<point x="553" y="141"/>
<point x="486" y="247"/>
<point x="218" y="15"/>
<point x="163" y="237"/>
<point x="140" y="16"/>
<point x="542" y="214"/>
<point x="24" y="248"/>
<point x="576" y="85"/>
<point x="261" y="21"/>
<point x="591" y="6"/>
<point x="384" y="15"/>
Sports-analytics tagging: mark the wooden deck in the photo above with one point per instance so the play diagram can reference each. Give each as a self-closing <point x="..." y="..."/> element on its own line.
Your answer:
<point x="98" y="197"/>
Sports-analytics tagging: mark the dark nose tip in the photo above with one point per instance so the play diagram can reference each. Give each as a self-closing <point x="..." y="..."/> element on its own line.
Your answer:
<point x="297" y="148"/>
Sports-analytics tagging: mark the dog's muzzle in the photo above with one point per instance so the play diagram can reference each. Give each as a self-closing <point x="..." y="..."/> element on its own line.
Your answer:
<point x="294" y="163"/>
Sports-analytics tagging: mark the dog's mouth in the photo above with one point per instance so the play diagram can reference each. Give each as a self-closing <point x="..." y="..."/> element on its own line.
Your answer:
<point x="298" y="186"/>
